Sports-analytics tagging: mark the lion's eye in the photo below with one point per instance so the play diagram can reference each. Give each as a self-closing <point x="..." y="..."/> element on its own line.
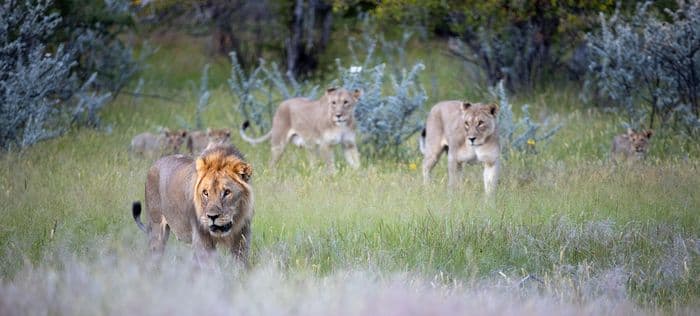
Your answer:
<point x="227" y="192"/>
<point x="466" y="125"/>
<point x="481" y="123"/>
<point x="345" y="102"/>
<point x="205" y="193"/>
<point x="333" y="102"/>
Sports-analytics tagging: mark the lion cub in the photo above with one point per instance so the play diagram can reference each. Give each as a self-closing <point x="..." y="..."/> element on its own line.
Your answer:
<point x="207" y="200"/>
<point x="155" y="145"/>
<point x="202" y="139"/>
<point x="631" y="146"/>
<point x="310" y="124"/>
<point x="469" y="133"/>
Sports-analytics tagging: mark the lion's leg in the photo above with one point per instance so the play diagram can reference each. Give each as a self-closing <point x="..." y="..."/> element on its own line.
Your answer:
<point x="203" y="246"/>
<point x="158" y="236"/>
<point x="327" y="155"/>
<point x="453" y="173"/>
<point x="352" y="156"/>
<point x="241" y="245"/>
<point x="491" y="171"/>
<point x="277" y="151"/>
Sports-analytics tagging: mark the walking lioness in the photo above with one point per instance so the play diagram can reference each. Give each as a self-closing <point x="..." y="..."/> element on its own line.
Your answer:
<point x="469" y="133"/>
<point x="310" y="123"/>
<point x="205" y="201"/>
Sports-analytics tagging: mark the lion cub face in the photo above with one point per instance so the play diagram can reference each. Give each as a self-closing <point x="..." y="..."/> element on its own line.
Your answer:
<point x="341" y="104"/>
<point x="639" y="141"/>
<point x="174" y="140"/>
<point x="479" y="122"/>
<point x="222" y="187"/>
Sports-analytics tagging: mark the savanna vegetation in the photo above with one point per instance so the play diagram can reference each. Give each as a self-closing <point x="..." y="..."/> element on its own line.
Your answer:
<point x="569" y="232"/>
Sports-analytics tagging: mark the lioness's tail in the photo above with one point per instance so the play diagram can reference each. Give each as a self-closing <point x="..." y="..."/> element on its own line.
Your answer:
<point x="253" y="140"/>
<point x="136" y="212"/>
<point x="421" y="142"/>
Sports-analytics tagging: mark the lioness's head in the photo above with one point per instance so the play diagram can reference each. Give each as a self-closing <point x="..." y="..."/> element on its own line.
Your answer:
<point x="639" y="141"/>
<point x="222" y="191"/>
<point x="341" y="104"/>
<point x="174" y="140"/>
<point x="479" y="122"/>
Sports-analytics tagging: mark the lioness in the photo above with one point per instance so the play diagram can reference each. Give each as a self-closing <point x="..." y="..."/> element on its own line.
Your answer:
<point x="202" y="139"/>
<point x="154" y="145"/>
<point x="469" y="133"/>
<point x="309" y="123"/>
<point x="631" y="146"/>
<point x="205" y="201"/>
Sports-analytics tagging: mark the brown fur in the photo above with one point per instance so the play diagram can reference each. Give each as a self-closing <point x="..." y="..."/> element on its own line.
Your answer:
<point x="156" y="145"/>
<point x="631" y="146"/>
<point x="309" y="123"/>
<point x="198" y="200"/>
<point x="202" y="139"/>
<point x="469" y="133"/>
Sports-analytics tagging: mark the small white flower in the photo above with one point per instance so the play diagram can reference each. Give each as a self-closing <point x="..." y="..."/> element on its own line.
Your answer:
<point x="355" y="69"/>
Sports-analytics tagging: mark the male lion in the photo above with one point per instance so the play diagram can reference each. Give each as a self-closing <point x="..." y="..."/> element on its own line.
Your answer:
<point x="154" y="145"/>
<point x="309" y="123"/>
<point x="631" y="146"/>
<point x="205" y="201"/>
<point x="202" y="139"/>
<point x="468" y="132"/>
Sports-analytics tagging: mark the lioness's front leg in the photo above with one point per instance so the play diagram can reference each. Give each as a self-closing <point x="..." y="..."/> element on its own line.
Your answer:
<point x="453" y="171"/>
<point x="491" y="171"/>
<point x="327" y="155"/>
<point x="352" y="156"/>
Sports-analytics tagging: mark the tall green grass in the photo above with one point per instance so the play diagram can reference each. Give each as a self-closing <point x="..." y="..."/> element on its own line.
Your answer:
<point x="568" y="230"/>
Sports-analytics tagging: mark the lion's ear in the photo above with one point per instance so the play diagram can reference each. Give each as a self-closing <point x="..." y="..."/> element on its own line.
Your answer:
<point x="466" y="106"/>
<point x="244" y="170"/>
<point x="648" y="133"/>
<point x="493" y="109"/>
<point x="201" y="166"/>
<point x="331" y="90"/>
<point x="183" y="133"/>
<point x="630" y="131"/>
<point x="357" y="93"/>
<point x="227" y="133"/>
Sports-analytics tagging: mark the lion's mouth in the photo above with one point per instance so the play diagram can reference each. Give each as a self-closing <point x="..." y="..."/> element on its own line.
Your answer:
<point x="220" y="228"/>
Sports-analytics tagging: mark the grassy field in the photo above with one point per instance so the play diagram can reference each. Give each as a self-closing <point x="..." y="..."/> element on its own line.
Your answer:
<point x="569" y="233"/>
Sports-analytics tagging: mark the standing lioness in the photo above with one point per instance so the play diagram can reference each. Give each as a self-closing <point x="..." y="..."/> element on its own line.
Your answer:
<point x="469" y="133"/>
<point x="205" y="202"/>
<point x="309" y="123"/>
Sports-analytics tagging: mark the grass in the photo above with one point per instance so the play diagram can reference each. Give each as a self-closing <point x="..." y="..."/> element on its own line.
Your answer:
<point x="569" y="234"/>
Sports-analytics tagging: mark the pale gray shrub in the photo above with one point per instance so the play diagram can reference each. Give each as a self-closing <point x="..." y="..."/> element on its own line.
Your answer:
<point x="648" y="67"/>
<point x="515" y="135"/>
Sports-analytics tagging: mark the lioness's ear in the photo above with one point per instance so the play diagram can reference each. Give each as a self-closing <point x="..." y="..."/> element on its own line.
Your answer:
<point x="208" y="131"/>
<point x="466" y="106"/>
<point x="493" y="109"/>
<point x="227" y="133"/>
<point x="331" y="90"/>
<point x="357" y="93"/>
<point x="648" y="133"/>
<point x="183" y="133"/>
<point x="630" y="131"/>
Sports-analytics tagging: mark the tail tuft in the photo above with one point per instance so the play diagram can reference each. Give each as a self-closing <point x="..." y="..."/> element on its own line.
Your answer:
<point x="421" y="141"/>
<point x="245" y="125"/>
<point x="136" y="212"/>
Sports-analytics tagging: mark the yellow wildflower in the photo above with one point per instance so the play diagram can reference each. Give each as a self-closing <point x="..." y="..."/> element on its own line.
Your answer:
<point x="412" y="166"/>
<point x="531" y="142"/>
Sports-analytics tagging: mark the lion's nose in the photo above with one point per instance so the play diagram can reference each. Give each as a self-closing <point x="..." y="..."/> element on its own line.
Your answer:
<point x="472" y="139"/>
<point x="338" y="115"/>
<point x="213" y="217"/>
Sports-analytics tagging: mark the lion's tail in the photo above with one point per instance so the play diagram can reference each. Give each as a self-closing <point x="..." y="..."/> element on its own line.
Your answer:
<point x="136" y="212"/>
<point x="251" y="140"/>
<point x="421" y="142"/>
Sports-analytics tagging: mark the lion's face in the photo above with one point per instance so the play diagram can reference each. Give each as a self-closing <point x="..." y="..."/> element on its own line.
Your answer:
<point x="219" y="136"/>
<point x="341" y="104"/>
<point x="174" y="140"/>
<point x="639" y="141"/>
<point x="221" y="190"/>
<point x="479" y="122"/>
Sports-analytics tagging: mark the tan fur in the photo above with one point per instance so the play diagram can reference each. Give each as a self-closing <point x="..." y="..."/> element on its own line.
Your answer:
<point x="204" y="201"/>
<point x="469" y="133"/>
<point x="155" y="145"/>
<point x="631" y="146"/>
<point x="315" y="124"/>
<point x="202" y="139"/>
